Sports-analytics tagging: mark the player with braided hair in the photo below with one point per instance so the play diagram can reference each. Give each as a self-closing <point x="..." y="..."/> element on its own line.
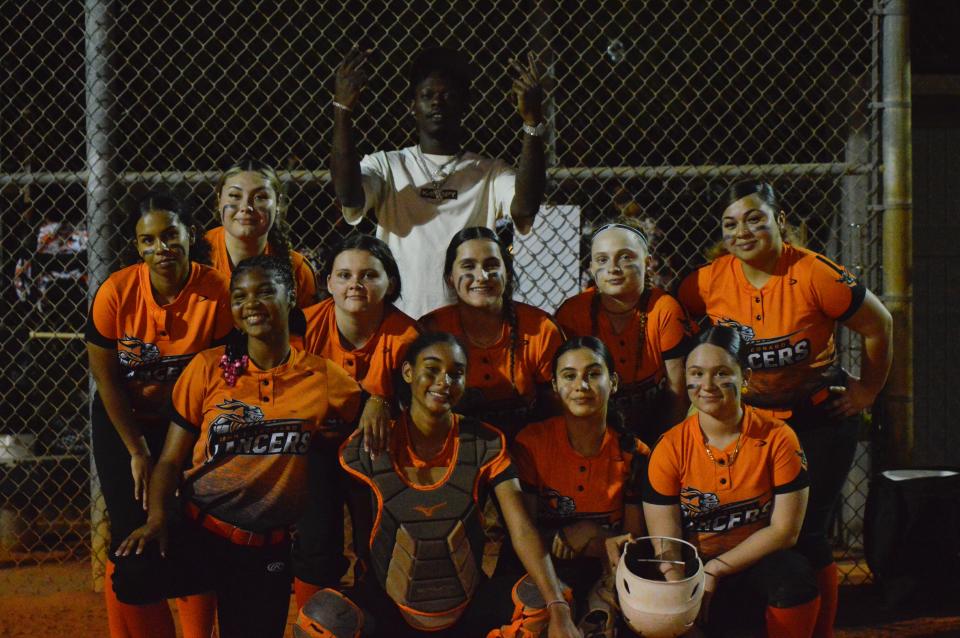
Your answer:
<point x="252" y="209"/>
<point x="644" y="327"/>
<point x="245" y="416"/>
<point x="146" y="323"/>
<point x="510" y="343"/>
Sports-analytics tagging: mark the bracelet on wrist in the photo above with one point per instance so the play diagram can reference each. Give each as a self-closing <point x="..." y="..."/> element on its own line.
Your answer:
<point x="535" y="131"/>
<point x="342" y="107"/>
<point x="559" y="601"/>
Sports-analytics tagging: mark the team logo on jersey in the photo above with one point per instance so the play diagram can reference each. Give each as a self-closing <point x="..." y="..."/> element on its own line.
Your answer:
<point x="141" y="361"/>
<point x="702" y="511"/>
<point x="696" y="502"/>
<point x="776" y="352"/>
<point x="553" y="503"/>
<point x="803" y="457"/>
<point x="746" y="332"/>
<point x="242" y="430"/>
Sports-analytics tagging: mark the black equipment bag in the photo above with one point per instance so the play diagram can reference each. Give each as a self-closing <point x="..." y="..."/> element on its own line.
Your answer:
<point x="912" y="532"/>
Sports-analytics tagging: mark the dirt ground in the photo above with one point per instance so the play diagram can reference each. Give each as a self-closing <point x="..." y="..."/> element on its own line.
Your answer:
<point x="57" y="600"/>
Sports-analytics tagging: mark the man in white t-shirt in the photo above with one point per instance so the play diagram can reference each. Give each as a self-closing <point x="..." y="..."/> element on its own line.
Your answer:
<point x="422" y="195"/>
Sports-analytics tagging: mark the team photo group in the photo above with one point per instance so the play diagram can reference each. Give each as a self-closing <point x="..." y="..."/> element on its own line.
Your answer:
<point x="639" y="462"/>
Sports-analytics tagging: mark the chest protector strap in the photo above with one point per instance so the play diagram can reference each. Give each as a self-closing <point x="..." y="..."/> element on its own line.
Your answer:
<point x="426" y="547"/>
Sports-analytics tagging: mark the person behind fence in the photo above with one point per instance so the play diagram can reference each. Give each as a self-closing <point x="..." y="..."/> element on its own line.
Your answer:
<point x="733" y="481"/>
<point x="252" y="211"/>
<point x="510" y="344"/>
<point x="644" y="327"/>
<point x="146" y="324"/>
<point x="786" y="301"/>
<point x="359" y="329"/>
<point x="244" y="417"/>
<point x="582" y="475"/>
<point x="422" y="540"/>
<point x="423" y="194"/>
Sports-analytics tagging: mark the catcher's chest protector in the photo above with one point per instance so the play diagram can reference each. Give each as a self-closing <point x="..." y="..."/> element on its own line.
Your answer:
<point x="426" y="547"/>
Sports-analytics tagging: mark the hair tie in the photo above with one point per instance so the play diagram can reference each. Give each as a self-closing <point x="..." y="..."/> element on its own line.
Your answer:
<point x="233" y="368"/>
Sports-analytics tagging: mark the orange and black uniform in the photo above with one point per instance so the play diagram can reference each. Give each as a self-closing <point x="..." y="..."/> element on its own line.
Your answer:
<point x="502" y="378"/>
<point x="303" y="275"/>
<point x="318" y="548"/>
<point x="789" y="324"/>
<point x="667" y="335"/>
<point x="472" y="447"/>
<point x="571" y="487"/>
<point x="154" y="344"/>
<point x="245" y="484"/>
<point x="374" y="364"/>
<point x="726" y="499"/>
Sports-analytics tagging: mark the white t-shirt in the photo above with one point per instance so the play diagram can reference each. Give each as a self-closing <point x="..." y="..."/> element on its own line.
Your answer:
<point x="417" y="225"/>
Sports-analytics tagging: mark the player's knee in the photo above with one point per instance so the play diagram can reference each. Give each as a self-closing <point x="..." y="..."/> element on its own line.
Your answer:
<point x="791" y="580"/>
<point x="329" y="614"/>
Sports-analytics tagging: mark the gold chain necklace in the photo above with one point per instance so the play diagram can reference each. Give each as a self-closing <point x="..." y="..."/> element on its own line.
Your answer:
<point x="733" y="455"/>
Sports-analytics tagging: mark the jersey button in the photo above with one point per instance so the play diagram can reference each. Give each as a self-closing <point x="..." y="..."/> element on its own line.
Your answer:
<point x="757" y="299"/>
<point x="759" y="318"/>
<point x="486" y="377"/>
<point x="267" y="400"/>
<point x="583" y="468"/>
<point x="485" y="360"/>
<point x="622" y="360"/>
<point x="721" y="462"/>
<point x="579" y="488"/>
<point x="265" y="382"/>
<point x="349" y="362"/>
<point x="622" y="342"/>
<point x="723" y="481"/>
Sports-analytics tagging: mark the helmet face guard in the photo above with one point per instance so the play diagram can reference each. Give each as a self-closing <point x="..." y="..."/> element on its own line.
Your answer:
<point x="652" y="605"/>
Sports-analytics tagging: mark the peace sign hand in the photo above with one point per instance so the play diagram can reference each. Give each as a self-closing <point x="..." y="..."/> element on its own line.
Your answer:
<point x="527" y="90"/>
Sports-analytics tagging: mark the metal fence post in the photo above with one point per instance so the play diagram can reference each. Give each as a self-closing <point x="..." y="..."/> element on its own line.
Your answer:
<point x="101" y="179"/>
<point x="897" y="228"/>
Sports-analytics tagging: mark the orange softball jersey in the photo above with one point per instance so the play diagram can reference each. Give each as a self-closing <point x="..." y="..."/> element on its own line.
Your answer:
<point x="155" y="343"/>
<point x="303" y="274"/>
<point x="725" y="500"/>
<point x="373" y="364"/>
<point x="789" y="322"/>
<point x="572" y="487"/>
<point x="667" y="333"/>
<point x="249" y="464"/>
<point x="489" y="369"/>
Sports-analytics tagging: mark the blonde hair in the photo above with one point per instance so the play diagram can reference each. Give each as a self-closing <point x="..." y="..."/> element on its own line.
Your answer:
<point x="278" y="236"/>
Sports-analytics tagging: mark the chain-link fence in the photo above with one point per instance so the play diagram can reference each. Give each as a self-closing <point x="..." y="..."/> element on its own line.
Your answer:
<point x="655" y="107"/>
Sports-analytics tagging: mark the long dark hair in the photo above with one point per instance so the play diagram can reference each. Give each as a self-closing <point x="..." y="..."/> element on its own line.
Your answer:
<point x="377" y="248"/>
<point x="509" y="309"/>
<point x="614" y="417"/>
<point x="163" y="201"/>
<point x="278" y="236"/>
<point x="765" y="192"/>
<point x="420" y="344"/>
<point x="235" y="359"/>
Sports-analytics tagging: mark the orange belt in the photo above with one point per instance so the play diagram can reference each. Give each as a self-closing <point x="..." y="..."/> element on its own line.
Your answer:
<point x="234" y="534"/>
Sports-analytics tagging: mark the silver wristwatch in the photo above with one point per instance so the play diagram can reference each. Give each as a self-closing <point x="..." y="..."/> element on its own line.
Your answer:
<point x="535" y="131"/>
